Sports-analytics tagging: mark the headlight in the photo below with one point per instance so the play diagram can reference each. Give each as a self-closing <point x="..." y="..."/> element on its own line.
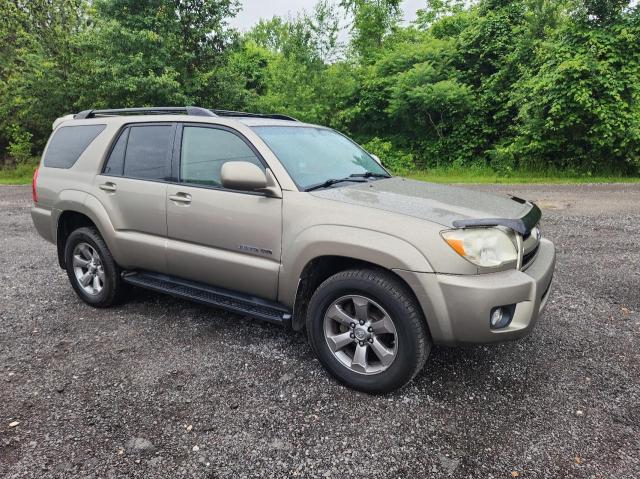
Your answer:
<point x="486" y="247"/>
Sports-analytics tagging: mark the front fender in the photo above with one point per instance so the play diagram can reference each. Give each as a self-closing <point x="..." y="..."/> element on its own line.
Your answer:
<point x="382" y="249"/>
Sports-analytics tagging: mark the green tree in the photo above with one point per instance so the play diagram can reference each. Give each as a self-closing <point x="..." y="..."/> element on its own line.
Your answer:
<point x="507" y="83"/>
<point x="154" y="52"/>
<point x="601" y="12"/>
<point x="581" y="109"/>
<point x="36" y="57"/>
<point x="310" y="38"/>
<point x="372" y="21"/>
<point x="294" y="52"/>
<point x="437" y="10"/>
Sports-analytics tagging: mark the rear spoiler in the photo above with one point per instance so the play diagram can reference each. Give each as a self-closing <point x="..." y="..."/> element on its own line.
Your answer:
<point x="522" y="225"/>
<point x="62" y="119"/>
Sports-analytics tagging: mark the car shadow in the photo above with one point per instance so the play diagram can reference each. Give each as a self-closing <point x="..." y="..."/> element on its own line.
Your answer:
<point x="449" y="371"/>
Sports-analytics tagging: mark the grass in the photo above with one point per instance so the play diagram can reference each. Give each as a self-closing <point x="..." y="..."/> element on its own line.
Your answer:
<point x="21" y="174"/>
<point x="487" y="175"/>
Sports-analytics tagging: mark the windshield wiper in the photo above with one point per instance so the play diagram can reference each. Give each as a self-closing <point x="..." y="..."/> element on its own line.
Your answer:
<point x="369" y="174"/>
<point x="333" y="181"/>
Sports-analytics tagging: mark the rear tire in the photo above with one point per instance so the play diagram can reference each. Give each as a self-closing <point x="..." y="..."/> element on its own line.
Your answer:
<point x="367" y="330"/>
<point x="92" y="271"/>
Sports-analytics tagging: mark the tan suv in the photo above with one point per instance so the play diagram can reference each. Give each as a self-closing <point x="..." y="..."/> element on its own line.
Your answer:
<point x="291" y="223"/>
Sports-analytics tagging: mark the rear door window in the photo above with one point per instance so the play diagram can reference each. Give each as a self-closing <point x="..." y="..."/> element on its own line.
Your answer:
<point x="68" y="143"/>
<point x="148" y="152"/>
<point x="142" y="151"/>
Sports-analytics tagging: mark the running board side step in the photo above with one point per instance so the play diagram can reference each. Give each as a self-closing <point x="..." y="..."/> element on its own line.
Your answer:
<point x="211" y="296"/>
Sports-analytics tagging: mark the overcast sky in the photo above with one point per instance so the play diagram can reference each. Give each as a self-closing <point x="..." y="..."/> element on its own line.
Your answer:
<point x="254" y="10"/>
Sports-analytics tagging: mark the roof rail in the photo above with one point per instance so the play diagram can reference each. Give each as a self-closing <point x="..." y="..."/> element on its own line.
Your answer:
<point x="185" y="110"/>
<point x="274" y="116"/>
<point x="156" y="110"/>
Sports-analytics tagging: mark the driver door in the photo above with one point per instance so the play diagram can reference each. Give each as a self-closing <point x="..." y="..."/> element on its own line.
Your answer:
<point x="225" y="238"/>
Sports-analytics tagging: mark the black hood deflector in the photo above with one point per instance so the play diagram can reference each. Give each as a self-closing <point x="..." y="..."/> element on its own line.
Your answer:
<point x="522" y="225"/>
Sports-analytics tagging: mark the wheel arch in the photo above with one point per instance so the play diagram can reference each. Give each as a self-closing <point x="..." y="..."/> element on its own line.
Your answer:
<point x="320" y="268"/>
<point x="322" y="250"/>
<point x="76" y="209"/>
<point x="69" y="221"/>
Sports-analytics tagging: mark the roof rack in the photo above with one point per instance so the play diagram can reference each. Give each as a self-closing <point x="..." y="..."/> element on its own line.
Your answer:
<point x="273" y="116"/>
<point x="156" y="110"/>
<point x="176" y="110"/>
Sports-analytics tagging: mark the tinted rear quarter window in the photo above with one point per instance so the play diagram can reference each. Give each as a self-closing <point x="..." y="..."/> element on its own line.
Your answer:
<point x="115" y="164"/>
<point x="68" y="143"/>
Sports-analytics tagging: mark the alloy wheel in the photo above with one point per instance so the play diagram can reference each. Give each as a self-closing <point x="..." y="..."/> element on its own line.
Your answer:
<point x="88" y="268"/>
<point x="360" y="334"/>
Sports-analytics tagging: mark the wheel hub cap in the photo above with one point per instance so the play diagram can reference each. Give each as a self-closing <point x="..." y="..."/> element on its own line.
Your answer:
<point x="361" y="334"/>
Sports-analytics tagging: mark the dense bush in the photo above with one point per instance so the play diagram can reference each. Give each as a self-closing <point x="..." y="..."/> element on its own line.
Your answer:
<point x="580" y="109"/>
<point x="506" y="84"/>
<point x="392" y="157"/>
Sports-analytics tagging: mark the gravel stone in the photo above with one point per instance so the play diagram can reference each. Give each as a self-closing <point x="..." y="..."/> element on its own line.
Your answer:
<point x="448" y="464"/>
<point x="139" y="446"/>
<point x="154" y="364"/>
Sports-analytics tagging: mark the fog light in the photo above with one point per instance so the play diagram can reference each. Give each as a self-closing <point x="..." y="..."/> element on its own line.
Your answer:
<point x="501" y="316"/>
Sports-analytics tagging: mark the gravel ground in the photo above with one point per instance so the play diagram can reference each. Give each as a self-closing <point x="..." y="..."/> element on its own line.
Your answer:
<point x="163" y="388"/>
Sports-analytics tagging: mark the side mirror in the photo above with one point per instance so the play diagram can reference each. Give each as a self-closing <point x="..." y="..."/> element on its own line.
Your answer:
<point x="243" y="176"/>
<point x="375" y="157"/>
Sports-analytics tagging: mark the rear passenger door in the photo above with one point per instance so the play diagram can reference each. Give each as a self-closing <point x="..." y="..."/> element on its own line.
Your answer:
<point x="221" y="237"/>
<point x="132" y="188"/>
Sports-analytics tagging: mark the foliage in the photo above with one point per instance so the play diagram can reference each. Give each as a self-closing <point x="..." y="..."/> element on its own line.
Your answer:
<point x="437" y="10"/>
<point x="372" y="20"/>
<point x="153" y="52"/>
<point x="510" y="85"/>
<point x="485" y="174"/>
<point x="580" y="109"/>
<point x="36" y="55"/>
<point x="20" y="144"/>
<point x="19" y="174"/>
<point x="392" y="158"/>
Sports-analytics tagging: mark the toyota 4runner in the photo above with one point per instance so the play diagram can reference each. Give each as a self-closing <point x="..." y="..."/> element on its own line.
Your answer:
<point x="290" y="223"/>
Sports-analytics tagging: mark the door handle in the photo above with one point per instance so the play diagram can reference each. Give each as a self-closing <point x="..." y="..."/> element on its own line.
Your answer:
<point x="108" y="186"/>
<point x="183" y="198"/>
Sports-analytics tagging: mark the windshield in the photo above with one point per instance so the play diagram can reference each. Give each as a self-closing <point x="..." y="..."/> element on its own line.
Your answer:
<point x="315" y="155"/>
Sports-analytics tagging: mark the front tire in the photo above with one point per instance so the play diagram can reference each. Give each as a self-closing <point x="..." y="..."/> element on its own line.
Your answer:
<point x="367" y="330"/>
<point x="92" y="271"/>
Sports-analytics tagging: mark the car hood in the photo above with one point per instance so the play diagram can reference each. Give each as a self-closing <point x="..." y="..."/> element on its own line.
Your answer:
<point x="429" y="201"/>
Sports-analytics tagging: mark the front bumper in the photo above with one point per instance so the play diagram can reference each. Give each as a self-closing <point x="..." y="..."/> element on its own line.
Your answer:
<point x="457" y="307"/>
